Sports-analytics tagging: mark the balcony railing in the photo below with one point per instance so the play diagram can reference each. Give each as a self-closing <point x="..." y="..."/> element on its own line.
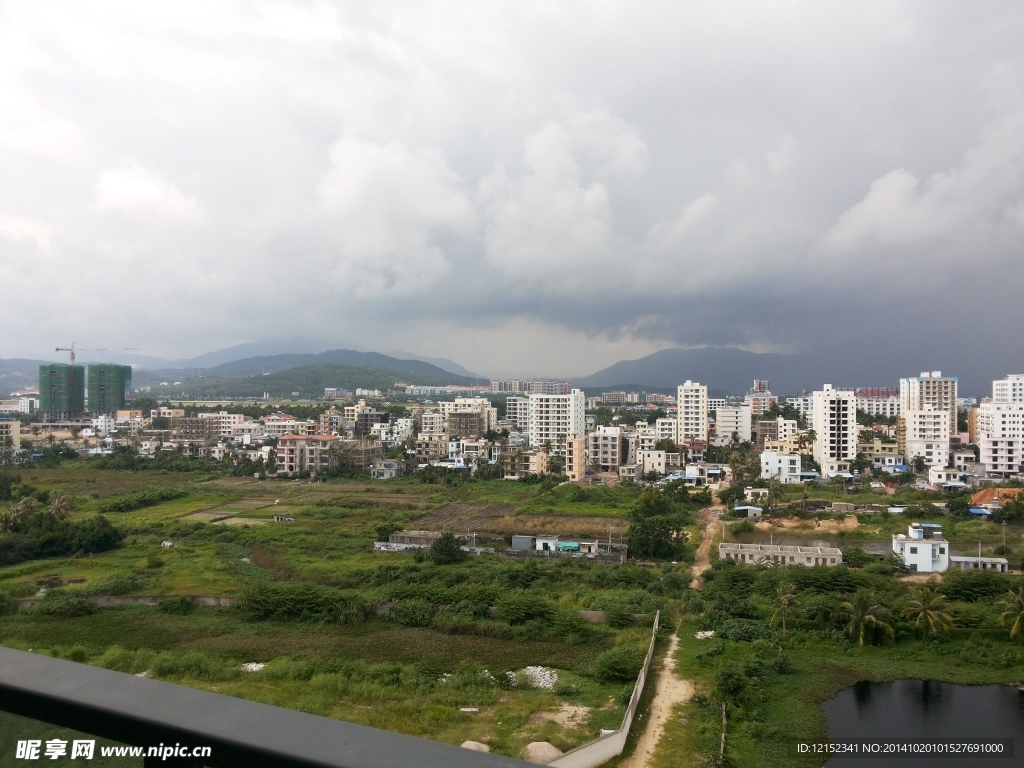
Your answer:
<point x="241" y="734"/>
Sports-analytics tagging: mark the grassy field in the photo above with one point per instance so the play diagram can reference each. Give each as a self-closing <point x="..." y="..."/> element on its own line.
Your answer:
<point x="413" y="675"/>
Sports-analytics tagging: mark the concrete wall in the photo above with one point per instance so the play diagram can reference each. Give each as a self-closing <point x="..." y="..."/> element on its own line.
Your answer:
<point x="606" y="747"/>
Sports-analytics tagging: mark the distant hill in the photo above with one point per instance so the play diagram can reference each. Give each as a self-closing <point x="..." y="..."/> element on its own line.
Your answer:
<point x="734" y="370"/>
<point x="441" y="362"/>
<point x="723" y="368"/>
<point x="411" y="371"/>
<point x="309" y="381"/>
<point x="17" y="373"/>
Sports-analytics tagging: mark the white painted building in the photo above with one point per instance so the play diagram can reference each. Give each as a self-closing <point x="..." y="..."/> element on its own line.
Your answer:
<point x="733" y="420"/>
<point x="1001" y="428"/>
<point x="930" y="389"/>
<point x="432" y="422"/>
<point x="922" y="548"/>
<point x="691" y="412"/>
<point x="879" y="406"/>
<point x="665" y="429"/>
<point x="652" y="461"/>
<point x="927" y="431"/>
<point x="605" y="449"/>
<point x="784" y="467"/>
<point x="804" y="405"/>
<point x="517" y="409"/>
<point x="226" y="422"/>
<point x="555" y="418"/>
<point x="714" y="403"/>
<point x="835" y="426"/>
<point x="104" y="425"/>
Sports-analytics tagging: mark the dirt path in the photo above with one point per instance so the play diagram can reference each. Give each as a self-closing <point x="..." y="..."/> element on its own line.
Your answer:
<point x="708" y="520"/>
<point x="670" y="691"/>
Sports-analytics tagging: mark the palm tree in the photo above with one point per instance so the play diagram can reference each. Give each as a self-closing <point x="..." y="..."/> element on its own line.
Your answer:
<point x="1014" y="609"/>
<point x="864" y="613"/>
<point x="785" y="600"/>
<point x="6" y="522"/>
<point x="60" y="507"/>
<point x="24" y="508"/>
<point x="930" y="608"/>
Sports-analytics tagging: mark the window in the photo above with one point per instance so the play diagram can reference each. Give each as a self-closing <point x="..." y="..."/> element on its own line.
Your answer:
<point x="913" y="550"/>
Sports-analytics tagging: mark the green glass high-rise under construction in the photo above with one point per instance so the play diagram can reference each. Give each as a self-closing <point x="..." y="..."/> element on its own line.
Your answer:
<point x="61" y="391"/>
<point x="110" y="387"/>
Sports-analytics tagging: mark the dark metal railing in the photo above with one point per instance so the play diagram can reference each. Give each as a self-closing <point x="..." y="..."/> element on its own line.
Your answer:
<point x="241" y="734"/>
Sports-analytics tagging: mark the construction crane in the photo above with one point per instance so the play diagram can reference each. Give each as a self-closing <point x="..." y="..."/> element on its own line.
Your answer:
<point x="72" y="349"/>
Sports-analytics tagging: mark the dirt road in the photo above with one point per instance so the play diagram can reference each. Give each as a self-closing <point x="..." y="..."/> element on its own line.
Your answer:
<point x="709" y="521"/>
<point x="670" y="691"/>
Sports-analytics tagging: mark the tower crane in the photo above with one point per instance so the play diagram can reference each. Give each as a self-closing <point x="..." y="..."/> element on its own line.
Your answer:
<point x="72" y="349"/>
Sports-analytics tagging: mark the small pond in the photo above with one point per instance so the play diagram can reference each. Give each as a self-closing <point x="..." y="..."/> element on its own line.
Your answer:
<point x="926" y="709"/>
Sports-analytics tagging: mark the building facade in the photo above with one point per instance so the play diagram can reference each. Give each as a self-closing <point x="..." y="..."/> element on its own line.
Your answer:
<point x="553" y="419"/>
<point x="691" y="412"/>
<point x="110" y="387"/>
<point x="835" y="427"/>
<point x="61" y="391"/>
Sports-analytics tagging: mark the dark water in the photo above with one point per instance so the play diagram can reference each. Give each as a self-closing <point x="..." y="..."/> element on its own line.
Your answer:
<point x="923" y="709"/>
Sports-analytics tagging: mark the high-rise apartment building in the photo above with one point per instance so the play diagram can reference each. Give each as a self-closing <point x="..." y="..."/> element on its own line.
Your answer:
<point x="553" y="419"/>
<point x="691" y="412"/>
<point x="760" y="398"/>
<point x="835" y="427"/>
<point x="110" y="387"/>
<point x="1000" y="428"/>
<point x="61" y="391"/>
<point x="925" y="434"/>
<point x="930" y="389"/>
<point x="733" y="421"/>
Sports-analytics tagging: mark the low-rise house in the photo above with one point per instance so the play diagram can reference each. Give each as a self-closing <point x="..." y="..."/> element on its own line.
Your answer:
<point x="516" y="464"/>
<point x="522" y="542"/>
<point x="589" y="547"/>
<point x="922" y="548"/>
<point x="748" y="511"/>
<point x="387" y="469"/>
<point x="785" y="468"/>
<point x="778" y="554"/>
<point x="283" y="517"/>
<point x="547" y="544"/>
<point x="970" y="563"/>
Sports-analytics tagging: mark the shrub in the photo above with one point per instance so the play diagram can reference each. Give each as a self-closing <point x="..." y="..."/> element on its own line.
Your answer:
<point x="65" y="605"/>
<point x="77" y="654"/>
<point x="7" y="605"/>
<point x="521" y="608"/>
<point x="619" y="665"/>
<point x="446" y="550"/>
<point x="729" y="683"/>
<point x="744" y="630"/>
<point x="178" y="606"/>
<point x="302" y="601"/>
<point x="618" y="616"/>
<point x="413" y="613"/>
<point x="138" y="499"/>
<point x="154" y="561"/>
<point x="702" y="656"/>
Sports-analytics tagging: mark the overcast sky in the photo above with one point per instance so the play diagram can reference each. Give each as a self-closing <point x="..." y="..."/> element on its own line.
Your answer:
<point x="522" y="187"/>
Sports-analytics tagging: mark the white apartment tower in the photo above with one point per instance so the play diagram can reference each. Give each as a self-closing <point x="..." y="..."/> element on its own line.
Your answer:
<point x="556" y="418"/>
<point x="927" y="435"/>
<point x="1001" y="428"/>
<point x="835" y="426"/>
<point x="692" y="412"/>
<point x="731" y="420"/>
<point x="930" y="389"/>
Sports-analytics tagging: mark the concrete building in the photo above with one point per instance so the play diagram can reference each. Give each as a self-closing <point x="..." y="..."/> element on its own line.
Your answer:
<point x="888" y="406"/>
<point x="431" y="446"/>
<point x="307" y="453"/>
<point x="553" y="419"/>
<point x="606" y="449"/>
<point x="517" y="409"/>
<point x="575" y="458"/>
<point x="470" y="416"/>
<point x="777" y="554"/>
<point x="225" y="423"/>
<point x="714" y="403"/>
<point x="110" y="387"/>
<point x="61" y="391"/>
<point x="999" y="428"/>
<point x="835" y="425"/>
<point x="777" y="429"/>
<point x="922" y="548"/>
<point x="194" y="428"/>
<point x="432" y="422"/>
<point x="930" y="389"/>
<point x="760" y="398"/>
<point x="516" y="464"/>
<point x="665" y="429"/>
<point x="653" y="461"/>
<point x="926" y="434"/>
<point x="784" y="467"/>
<point x="804" y="405"/>
<point x="733" y="421"/>
<point x="10" y="435"/>
<point x="691" y="412"/>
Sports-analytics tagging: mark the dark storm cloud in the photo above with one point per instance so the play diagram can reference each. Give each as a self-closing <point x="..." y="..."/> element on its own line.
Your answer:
<point x="522" y="187"/>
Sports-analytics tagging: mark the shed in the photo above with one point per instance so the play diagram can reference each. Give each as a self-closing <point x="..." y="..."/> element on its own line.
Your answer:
<point x="568" y="546"/>
<point x="981" y="512"/>
<point x="589" y="547"/>
<point x="520" y="541"/>
<point x="547" y="543"/>
<point x="282" y="517"/>
<point x="747" y="511"/>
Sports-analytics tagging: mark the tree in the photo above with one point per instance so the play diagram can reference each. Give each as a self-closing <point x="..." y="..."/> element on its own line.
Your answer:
<point x="864" y="614"/>
<point x="920" y="466"/>
<point x="929" y="607"/>
<point x="446" y="550"/>
<point x="666" y="444"/>
<point x="6" y="522"/>
<point x="60" y="507"/>
<point x="785" y="600"/>
<point x="1013" y="610"/>
<point x="24" y="509"/>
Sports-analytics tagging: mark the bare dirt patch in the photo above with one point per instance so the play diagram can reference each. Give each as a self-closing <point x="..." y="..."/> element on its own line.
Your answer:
<point x="239" y="521"/>
<point x="567" y="716"/>
<point x="461" y="517"/>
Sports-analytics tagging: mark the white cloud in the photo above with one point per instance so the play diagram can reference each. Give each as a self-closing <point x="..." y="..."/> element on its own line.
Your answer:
<point x="389" y="206"/>
<point x="136" y="192"/>
<point x="19" y="228"/>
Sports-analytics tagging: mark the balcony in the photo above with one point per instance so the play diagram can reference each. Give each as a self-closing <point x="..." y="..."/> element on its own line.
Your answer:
<point x="240" y="734"/>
